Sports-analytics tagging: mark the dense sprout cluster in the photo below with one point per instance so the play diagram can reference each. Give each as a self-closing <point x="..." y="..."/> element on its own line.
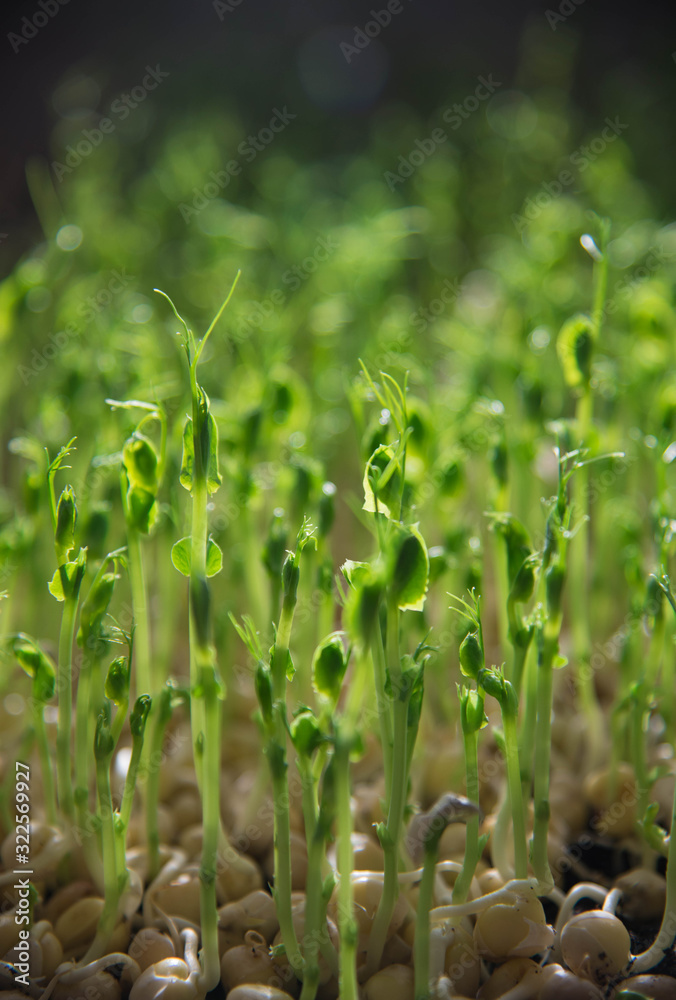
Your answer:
<point x="340" y="677"/>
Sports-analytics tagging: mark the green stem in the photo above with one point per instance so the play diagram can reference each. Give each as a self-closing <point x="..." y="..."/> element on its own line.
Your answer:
<point x="130" y="788"/>
<point x="527" y="744"/>
<point x="546" y="654"/>
<point x="45" y="764"/>
<point x="669" y="688"/>
<point x="421" y="958"/>
<point x="111" y="875"/>
<point x="282" y="848"/>
<point x="515" y="793"/>
<point x="347" y="925"/>
<point x="65" y="708"/>
<point x="158" y="721"/>
<point x="396" y="797"/>
<point x="83" y="751"/>
<point x="384" y="712"/>
<point x="471" y="858"/>
<point x="144" y="680"/>
<point x="637" y="744"/>
<point x="519" y="665"/>
<point x="313" y="922"/>
<point x="211" y="821"/>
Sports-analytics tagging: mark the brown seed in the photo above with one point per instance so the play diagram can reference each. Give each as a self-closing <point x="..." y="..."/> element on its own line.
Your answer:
<point x="462" y="964"/>
<point x="652" y="987"/>
<point x="150" y="946"/>
<point x="506" y="977"/>
<point x="613" y="801"/>
<point x="250" y="963"/>
<point x="180" y="898"/>
<point x="511" y="930"/>
<point x="257" y="991"/>
<point x="168" y="979"/>
<point x="563" y="985"/>
<point x="395" y="982"/>
<point x="255" y="911"/>
<point x="596" y="946"/>
<point x="644" y="894"/>
<point x="101" y="985"/>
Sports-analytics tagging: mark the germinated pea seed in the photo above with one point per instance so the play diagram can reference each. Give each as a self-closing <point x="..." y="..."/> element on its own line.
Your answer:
<point x="395" y="982"/>
<point x="596" y="945"/>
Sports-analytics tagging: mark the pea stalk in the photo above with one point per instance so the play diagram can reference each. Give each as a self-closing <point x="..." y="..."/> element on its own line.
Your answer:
<point x="578" y="367"/>
<point x="159" y="721"/>
<point x="277" y="756"/>
<point x="65" y="587"/>
<point x="113" y="878"/>
<point x="199" y="557"/>
<point x="390" y="832"/>
<point x="41" y="669"/>
<point x="665" y="936"/>
<point x="347" y="924"/>
<point x="493" y="682"/>
<point x="425" y="833"/>
<point x="473" y="718"/>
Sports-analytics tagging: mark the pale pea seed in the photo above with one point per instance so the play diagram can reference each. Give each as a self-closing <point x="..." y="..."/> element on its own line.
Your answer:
<point x="506" y="977"/>
<point x="564" y="985"/>
<point x="596" y="946"/>
<point x="513" y="930"/>
<point x="100" y="985"/>
<point x="249" y="963"/>
<point x="644" y="894"/>
<point x="169" y="979"/>
<point x="252" y="991"/>
<point x="652" y="987"/>
<point x="396" y="982"/>
<point x="150" y="946"/>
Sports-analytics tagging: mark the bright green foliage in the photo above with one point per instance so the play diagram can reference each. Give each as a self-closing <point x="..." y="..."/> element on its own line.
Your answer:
<point x="329" y="664"/>
<point x="181" y="555"/>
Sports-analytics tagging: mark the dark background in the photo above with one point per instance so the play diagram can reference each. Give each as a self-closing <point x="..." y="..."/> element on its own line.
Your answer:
<point x="622" y="60"/>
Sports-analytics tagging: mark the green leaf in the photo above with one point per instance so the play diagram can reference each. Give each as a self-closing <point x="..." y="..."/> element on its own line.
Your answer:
<point x="574" y="347"/>
<point x="355" y="572"/>
<point x="140" y="461"/>
<point x="382" y="481"/>
<point x="328" y="666"/>
<point x="95" y="606"/>
<point x="181" y="553"/>
<point x="214" y="558"/>
<point x="306" y="733"/>
<point x="117" y="680"/>
<point x="142" y="508"/>
<point x="66" y="516"/>
<point x="188" y="459"/>
<point x="410" y="568"/>
<point x="67" y="579"/>
<point x="559" y="661"/>
<point x="361" y="609"/>
<point x="214" y="478"/>
<point x="471" y="655"/>
<point x="181" y="556"/>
